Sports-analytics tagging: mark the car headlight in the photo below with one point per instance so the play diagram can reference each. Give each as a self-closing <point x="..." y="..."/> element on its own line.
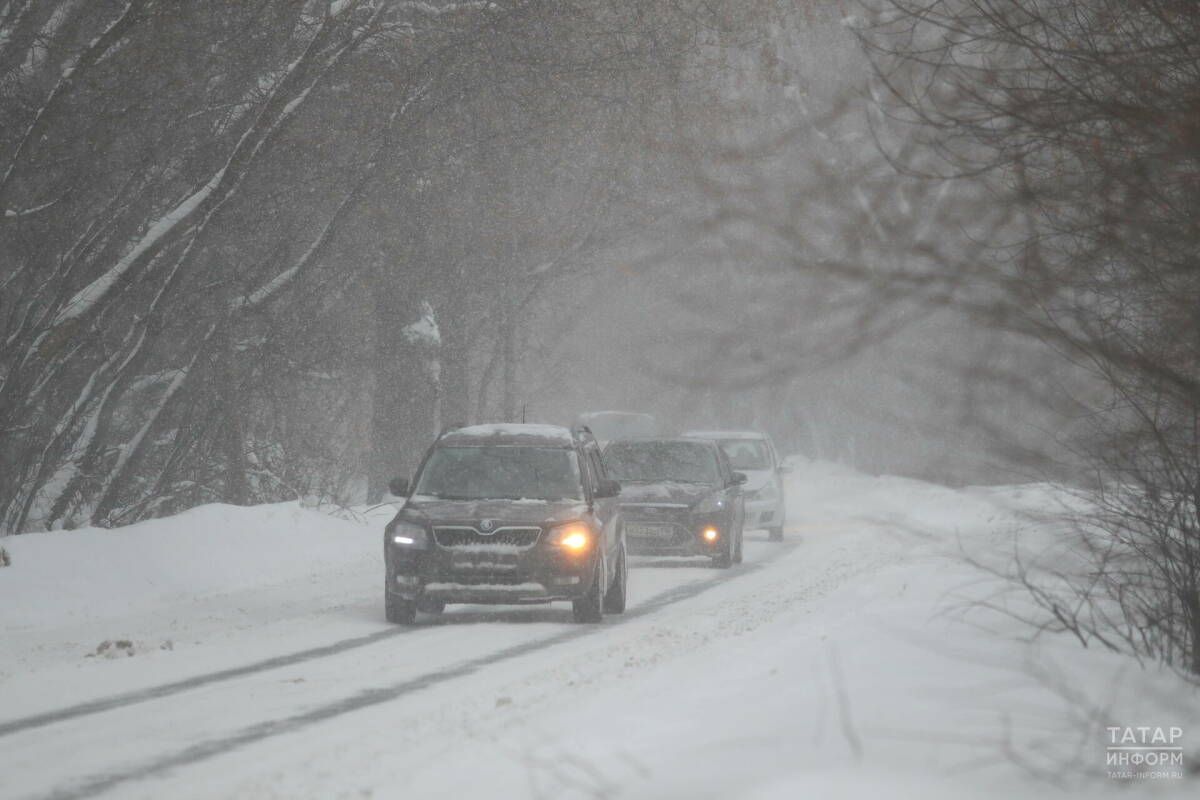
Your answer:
<point x="710" y="504"/>
<point x="574" y="537"/>
<point x="405" y="534"/>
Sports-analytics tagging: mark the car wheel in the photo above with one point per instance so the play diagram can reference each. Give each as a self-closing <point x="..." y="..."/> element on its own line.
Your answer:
<point x="590" y="607"/>
<point x="776" y="533"/>
<point x="724" y="559"/>
<point x="430" y="606"/>
<point x="398" y="610"/>
<point x="737" y="549"/>
<point x="614" y="598"/>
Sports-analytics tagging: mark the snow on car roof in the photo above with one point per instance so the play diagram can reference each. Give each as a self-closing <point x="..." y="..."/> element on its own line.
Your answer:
<point x="599" y="414"/>
<point x="517" y="430"/>
<point x="724" y="435"/>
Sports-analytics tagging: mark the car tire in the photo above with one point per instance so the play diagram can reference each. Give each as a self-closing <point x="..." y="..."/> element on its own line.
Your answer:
<point x="430" y="606"/>
<point x="590" y="607"/>
<point x="775" y="534"/>
<point x="398" y="610"/>
<point x="614" y="598"/>
<point x="724" y="559"/>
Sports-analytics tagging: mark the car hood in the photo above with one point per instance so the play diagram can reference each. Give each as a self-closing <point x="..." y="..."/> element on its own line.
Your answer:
<point x="664" y="492"/>
<point x="502" y="512"/>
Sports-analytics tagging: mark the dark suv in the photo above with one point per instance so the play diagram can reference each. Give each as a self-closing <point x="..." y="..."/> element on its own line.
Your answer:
<point x="679" y="497"/>
<point x="507" y="514"/>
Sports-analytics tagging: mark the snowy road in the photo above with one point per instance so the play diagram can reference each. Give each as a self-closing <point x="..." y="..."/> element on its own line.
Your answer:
<point x="152" y="732"/>
<point x="798" y="671"/>
<point x="205" y="716"/>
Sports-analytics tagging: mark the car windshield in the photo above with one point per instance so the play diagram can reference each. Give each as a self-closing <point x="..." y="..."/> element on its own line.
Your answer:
<point x="746" y="453"/>
<point x="501" y="472"/>
<point x="652" y="462"/>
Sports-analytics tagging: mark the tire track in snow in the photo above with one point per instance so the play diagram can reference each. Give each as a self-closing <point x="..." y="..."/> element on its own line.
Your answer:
<point x="102" y="782"/>
<point x="175" y="687"/>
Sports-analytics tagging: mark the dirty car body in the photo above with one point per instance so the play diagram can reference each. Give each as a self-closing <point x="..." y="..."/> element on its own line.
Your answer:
<point x="678" y="497"/>
<point x="507" y="514"/>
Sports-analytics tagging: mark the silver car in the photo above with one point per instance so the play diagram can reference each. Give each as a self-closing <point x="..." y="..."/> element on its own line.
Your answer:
<point x="753" y="454"/>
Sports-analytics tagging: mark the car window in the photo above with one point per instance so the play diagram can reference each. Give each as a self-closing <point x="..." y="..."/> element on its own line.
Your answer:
<point x="659" y="461"/>
<point x="724" y="466"/>
<point x="501" y="472"/>
<point x="747" y="453"/>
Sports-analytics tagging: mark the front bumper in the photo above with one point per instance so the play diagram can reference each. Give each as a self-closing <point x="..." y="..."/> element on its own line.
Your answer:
<point x="763" y="514"/>
<point x="673" y="532"/>
<point x="500" y="575"/>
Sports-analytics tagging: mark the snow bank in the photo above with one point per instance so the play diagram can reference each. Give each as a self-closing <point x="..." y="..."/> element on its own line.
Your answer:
<point x="66" y="577"/>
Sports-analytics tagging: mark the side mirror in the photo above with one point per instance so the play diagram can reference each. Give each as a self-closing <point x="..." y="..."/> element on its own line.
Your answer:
<point x="738" y="479"/>
<point x="607" y="488"/>
<point x="398" y="487"/>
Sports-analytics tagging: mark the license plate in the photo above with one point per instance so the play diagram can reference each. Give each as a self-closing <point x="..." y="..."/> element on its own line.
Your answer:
<point x="650" y="531"/>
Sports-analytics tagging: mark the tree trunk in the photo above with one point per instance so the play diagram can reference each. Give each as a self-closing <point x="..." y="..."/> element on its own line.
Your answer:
<point x="455" y="364"/>
<point x="404" y="394"/>
<point x="511" y="362"/>
<point x="233" y="440"/>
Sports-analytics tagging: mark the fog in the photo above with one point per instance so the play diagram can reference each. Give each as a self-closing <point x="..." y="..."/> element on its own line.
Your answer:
<point x="302" y="301"/>
<point x="376" y="163"/>
<point x="278" y="278"/>
<point x="707" y="317"/>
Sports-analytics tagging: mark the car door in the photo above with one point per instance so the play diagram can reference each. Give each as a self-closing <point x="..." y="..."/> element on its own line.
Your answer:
<point x="779" y="470"/>
<point x="606" y="509"/>
<point x="773" y="455"/>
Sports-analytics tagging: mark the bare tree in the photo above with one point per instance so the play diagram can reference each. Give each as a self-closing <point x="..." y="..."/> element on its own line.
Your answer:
<point x="1080" y="117"/>
<point x="235" y="263"/>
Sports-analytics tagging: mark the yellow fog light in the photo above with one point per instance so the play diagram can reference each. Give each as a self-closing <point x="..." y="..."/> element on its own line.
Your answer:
<point x="711" y="534"/>
<point x="576" y="540"/>
<point x="574" y="537"/>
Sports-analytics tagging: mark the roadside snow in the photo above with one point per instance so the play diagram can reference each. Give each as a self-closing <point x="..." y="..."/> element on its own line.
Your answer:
<point x="92" y="574"/>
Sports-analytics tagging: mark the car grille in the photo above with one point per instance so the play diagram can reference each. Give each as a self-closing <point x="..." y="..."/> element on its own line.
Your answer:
<point x="501" y="538"/>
